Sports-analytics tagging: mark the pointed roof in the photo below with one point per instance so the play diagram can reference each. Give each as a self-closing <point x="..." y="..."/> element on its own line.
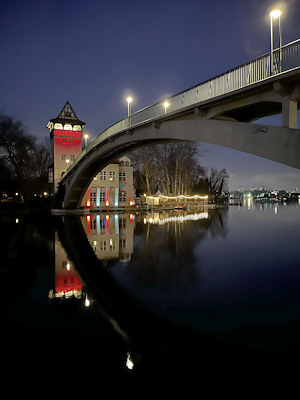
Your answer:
<point x="67" y="116"/>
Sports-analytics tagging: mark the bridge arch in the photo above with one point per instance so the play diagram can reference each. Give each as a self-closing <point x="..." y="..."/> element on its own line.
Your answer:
<point x="275" y="143"/>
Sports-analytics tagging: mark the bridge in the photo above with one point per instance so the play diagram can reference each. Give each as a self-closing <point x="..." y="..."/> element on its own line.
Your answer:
<point x="219" y="111"/>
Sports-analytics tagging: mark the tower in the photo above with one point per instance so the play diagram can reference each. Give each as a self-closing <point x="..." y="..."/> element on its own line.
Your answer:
<point x="66" y="137"/>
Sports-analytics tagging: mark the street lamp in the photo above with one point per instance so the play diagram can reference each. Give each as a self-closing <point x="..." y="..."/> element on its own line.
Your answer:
<point x="67" y="162"/>
<point x="274" y="15"/>
<point x="85" y="139"/>
<point x="129" y="100"/>
<point x="166" y="105"/>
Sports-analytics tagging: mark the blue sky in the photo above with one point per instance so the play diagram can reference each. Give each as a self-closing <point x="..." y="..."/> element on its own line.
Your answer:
<point x="93" y="52"/>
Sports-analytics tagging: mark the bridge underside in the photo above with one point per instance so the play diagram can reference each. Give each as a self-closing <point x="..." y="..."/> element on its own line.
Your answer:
<point x="275" y="143"/>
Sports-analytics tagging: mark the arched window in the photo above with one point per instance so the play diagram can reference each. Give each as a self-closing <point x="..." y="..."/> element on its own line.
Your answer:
<point x="58" y="126"/>
<point x="77" y="128"/>
<point x="68" y="127"/>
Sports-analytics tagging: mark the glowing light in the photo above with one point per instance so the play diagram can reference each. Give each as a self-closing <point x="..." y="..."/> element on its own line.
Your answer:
<point x="117" y="197"/>
<point x="129" y="100"/>
<point x="275" y="13"/>
<point x="166" y="105"/>
<point x="68" y="266"/>
<point x="129" y="362"/>
<point x="87" y="302"/>
<point x="98" y="197"/>
<point x="98" y="224"/>
<point x="180" y="219"/>
<point x="17" y="220"/>
<point x="194" y="197"/>
<point x="86" y="136"/>
<point x="107" y="203"/>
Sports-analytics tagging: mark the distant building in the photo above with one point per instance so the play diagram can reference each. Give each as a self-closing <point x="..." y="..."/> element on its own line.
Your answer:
<point x="112" y="186"/>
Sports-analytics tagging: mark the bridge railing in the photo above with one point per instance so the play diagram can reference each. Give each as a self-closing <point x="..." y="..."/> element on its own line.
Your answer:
<point x="247" y="74"/>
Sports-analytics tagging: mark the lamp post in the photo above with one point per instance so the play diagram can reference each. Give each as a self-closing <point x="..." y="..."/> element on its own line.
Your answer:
<point x="85" y="140"/>
<point x="166" y="105"/>
<point x="273" y="15"/>
<point x="129" y="100"/>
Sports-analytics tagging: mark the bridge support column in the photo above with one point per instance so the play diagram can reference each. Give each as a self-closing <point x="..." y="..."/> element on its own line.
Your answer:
<point x="289" y="113"/>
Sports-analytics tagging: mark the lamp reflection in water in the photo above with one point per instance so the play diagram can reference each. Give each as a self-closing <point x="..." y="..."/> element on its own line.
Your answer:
<point x="129" y="362"/>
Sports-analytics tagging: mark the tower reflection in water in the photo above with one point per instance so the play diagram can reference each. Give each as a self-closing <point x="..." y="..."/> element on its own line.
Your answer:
<point x="111" y="238"/>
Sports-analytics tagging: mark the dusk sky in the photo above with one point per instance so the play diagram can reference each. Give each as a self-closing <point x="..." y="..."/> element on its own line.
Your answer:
<point x="93" y="53"/>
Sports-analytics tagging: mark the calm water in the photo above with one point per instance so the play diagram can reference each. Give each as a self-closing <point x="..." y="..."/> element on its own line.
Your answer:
<point x="150" y="291"/>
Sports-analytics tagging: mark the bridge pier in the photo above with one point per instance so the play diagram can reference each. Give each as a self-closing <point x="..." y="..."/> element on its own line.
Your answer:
<point x="289" y="113"/>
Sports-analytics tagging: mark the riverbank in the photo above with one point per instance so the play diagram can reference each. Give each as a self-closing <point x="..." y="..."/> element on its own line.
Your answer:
<point x="135" y="209"/>
<point x="45" y="205"/>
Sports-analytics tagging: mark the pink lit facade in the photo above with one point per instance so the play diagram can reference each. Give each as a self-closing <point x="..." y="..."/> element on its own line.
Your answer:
<point x="66" y="137"/>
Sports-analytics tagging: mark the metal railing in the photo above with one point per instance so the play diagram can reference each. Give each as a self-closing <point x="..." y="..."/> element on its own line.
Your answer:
<point x="257" y="70"/>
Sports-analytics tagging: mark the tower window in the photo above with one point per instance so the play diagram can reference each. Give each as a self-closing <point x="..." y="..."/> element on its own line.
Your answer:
<point x="103" y="176"/>
<point x="93" y="196"/>
<point x="63" y="156"/>
<point x="102" y="197"/>
<point x="72" y="157"/>
<point x="122" y="176"/>
<point x="112" y="175"/>
<point x="64" y="140"/>
<point x="122" y="196"/>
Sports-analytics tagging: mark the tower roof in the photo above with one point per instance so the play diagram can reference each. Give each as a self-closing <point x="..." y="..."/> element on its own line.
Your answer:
<point x="67" y="116"/>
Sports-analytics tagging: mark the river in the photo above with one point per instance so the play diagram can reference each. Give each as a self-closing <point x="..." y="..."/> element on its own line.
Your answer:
<point x="125" y="295"/>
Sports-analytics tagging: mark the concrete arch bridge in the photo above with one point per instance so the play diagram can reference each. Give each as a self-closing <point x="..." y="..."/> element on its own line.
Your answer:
<point x="220" y="111"/>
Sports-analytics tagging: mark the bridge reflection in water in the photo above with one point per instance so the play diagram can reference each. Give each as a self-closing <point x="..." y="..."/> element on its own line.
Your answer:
<point x="144" y="271"/>
<point x="182" y="286"/>
<point x="95" y="243"/>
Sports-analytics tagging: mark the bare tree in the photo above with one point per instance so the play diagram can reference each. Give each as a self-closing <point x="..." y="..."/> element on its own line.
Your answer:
<point x="26" y="159"/>
<point x="144" y="163"/>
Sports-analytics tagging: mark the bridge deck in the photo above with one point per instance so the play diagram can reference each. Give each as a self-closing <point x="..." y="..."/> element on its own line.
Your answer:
<point x="240" y="78"/>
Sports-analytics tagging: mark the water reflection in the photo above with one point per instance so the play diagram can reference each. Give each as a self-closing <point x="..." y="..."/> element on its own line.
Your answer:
<point x="110" y="235"/>
<point x="151" y="291"/>
<point x="157" y="249"/>
<point x="190" y="282"/>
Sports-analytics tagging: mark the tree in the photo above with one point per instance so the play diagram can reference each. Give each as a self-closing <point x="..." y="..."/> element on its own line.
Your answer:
<point x="168" y="167"/>
<point x="217" y="181"/>
<point x="18" y="147"/>
<point x="143" y="162"/>
<point x="25" y="158"/>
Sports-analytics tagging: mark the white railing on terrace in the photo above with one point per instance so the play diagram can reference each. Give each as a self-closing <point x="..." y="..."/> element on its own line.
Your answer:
<point x="247" y="74"/>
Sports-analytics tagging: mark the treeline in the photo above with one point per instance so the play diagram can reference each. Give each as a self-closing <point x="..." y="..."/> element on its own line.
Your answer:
<point x="23" y="161"/>
<point x="174" y="169"/>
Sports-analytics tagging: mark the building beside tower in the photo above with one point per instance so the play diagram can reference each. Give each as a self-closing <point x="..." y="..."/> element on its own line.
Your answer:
<point x="111" y="187"/>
